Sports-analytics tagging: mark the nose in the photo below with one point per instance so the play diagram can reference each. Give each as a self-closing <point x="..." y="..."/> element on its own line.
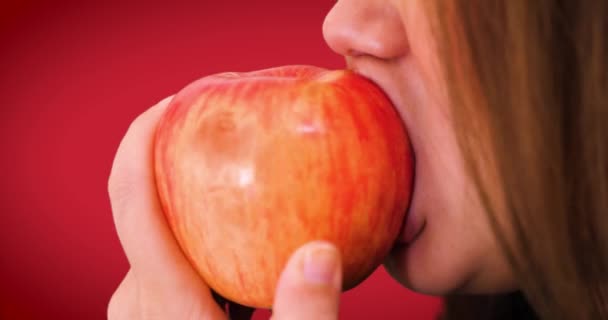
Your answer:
<point x="365" y="27"/>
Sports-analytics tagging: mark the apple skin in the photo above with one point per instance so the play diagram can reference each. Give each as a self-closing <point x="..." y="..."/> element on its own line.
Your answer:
<point x="250" y="166"/>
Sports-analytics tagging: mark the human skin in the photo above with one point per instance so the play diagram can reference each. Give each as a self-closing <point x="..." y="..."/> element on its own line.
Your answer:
<point x="161" y="283"/>
<point x="448" y="245"/>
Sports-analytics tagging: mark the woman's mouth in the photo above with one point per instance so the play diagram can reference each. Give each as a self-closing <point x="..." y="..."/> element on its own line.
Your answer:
<point x="412" y="225"/>
<point x="410" y="230"/>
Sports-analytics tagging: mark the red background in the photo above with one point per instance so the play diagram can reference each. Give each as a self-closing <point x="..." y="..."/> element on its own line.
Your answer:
<point x="72" y="78"/>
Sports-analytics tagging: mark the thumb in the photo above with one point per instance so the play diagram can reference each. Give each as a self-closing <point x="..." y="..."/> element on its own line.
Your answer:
<point x="310" y="285"/>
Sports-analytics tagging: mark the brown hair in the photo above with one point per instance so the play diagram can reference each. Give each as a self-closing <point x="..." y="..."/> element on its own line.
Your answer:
<point x="530" y="77"/>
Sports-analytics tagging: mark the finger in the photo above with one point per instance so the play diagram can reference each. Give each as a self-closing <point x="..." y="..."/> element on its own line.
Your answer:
<point x="124" y="302"/>
<point x="145" y="238"/>
<point x="310" y="285"/>
<point x="153" y="253"/>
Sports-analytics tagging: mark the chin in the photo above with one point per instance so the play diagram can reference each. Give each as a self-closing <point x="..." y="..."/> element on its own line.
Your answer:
<point x="417" y="277"/>
<point x="422" y="265"/>
<point x="443" y="277"/>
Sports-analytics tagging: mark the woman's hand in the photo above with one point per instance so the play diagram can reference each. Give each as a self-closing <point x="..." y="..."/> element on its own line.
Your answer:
<point x="161" y="284"/>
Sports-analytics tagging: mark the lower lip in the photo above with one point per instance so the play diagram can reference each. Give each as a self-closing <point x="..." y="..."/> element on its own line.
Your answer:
<point x="412" y="227"/>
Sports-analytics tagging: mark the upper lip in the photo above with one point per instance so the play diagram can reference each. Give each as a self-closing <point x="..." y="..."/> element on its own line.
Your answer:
<point x="371" y="68"/>
<point x="372" y="71"/>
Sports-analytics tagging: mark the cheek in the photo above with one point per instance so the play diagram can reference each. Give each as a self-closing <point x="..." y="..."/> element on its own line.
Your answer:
<point x="456" y="249"/>
<point x="456" y="244"/>
<point x="448" y="250"/>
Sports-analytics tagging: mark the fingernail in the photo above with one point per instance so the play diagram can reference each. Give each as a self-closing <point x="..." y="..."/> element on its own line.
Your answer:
<point x="321" y="264"/>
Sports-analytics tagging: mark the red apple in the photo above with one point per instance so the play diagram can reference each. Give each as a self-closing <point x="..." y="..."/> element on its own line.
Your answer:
<point x="250" y="166"/>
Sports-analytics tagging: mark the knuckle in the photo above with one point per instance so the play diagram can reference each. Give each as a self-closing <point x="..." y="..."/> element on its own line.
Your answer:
<point x="121" y="189"/>
<point x="114" y="309"/>
<point x="323" y="302"/>
<point x="121" y="181"/>
<point x="309" y="303"/>
<point x="141" y="128"/>
<point x="124" y="303"/>
<point x="117" y="307"/>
